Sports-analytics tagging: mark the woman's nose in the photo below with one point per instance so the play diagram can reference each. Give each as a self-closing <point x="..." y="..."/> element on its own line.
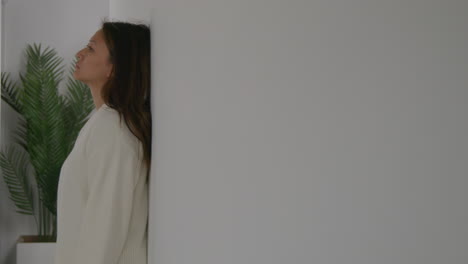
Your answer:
<point x="78" y="55"/>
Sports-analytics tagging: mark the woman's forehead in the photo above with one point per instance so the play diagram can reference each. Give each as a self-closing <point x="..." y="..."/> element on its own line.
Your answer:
<point x="97" y="37"/>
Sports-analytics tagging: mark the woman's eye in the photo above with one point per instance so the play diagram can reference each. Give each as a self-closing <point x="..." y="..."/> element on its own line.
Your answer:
<point x="89" y="47"/>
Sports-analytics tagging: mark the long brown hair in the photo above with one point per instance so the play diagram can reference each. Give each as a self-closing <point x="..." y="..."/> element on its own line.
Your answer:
<point x="128" y="89"/>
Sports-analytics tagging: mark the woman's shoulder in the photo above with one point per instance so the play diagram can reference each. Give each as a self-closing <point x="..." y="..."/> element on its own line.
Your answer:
<point x="108" y="127"/>
<point x="104" y="121"/>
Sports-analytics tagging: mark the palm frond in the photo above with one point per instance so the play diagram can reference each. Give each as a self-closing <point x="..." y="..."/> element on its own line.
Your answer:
<point x="20" y="135"/>
<point x="15" y="167"/>
<point x="45" y="121"/>
<point x="10" y="92"/>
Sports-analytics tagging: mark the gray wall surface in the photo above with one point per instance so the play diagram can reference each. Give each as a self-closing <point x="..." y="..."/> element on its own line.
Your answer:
<point x="323" y="132"/>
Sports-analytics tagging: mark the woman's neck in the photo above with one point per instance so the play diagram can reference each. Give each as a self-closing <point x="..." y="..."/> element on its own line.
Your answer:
<point x="96" y="93"/>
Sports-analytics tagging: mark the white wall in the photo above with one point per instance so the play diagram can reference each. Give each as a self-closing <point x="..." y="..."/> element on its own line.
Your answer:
<point x="65" y="25"/>
<point x="309" y="131"/>
<point x="131" y="11"/>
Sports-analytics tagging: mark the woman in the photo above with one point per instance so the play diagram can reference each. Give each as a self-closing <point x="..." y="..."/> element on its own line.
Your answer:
<point x="102" y="200"/>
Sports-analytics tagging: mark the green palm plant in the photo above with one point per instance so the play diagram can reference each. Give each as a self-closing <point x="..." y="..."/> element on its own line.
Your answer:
<point x="48" y="126"/>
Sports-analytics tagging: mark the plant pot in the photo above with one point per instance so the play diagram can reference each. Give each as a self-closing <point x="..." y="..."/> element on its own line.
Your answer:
<point x="33" y="250"/>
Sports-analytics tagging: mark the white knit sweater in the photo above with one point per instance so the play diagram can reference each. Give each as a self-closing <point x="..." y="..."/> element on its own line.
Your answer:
<point x="102" y="199"/>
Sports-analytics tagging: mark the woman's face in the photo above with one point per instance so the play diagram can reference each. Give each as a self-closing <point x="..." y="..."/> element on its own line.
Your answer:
<point x="93" y="66"/>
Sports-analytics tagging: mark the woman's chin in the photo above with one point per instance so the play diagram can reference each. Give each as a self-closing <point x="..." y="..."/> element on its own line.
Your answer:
<point x="76" y="76"/>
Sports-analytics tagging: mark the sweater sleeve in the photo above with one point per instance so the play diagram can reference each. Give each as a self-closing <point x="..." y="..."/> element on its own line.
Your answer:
<point x="111" y="168"/>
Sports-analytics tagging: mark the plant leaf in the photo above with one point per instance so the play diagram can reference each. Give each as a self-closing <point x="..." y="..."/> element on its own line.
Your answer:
<point x="15" y="169"/>
<point x="10" y="92"/>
